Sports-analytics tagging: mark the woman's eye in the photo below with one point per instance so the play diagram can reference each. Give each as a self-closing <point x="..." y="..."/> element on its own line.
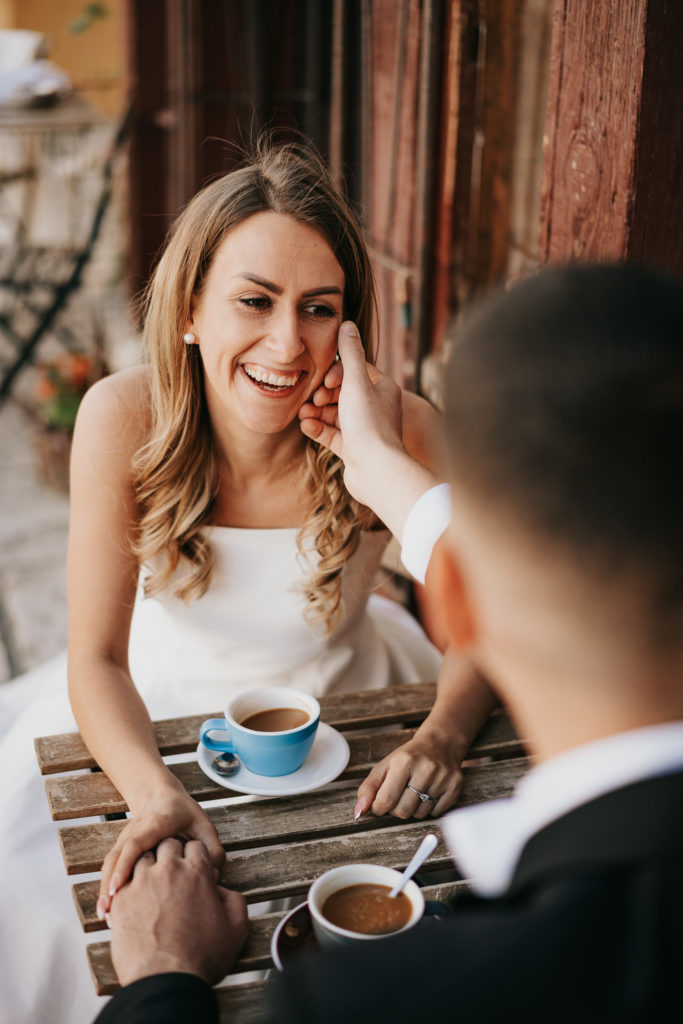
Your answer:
<point x="257" y="302"/>
<point x="320" y="311"/>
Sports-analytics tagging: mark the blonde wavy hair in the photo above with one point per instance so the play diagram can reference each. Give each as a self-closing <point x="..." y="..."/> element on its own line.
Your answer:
<point x="175" y="471"/>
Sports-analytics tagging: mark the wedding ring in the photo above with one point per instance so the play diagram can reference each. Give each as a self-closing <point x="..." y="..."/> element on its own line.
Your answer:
<point x="424" y="797"/>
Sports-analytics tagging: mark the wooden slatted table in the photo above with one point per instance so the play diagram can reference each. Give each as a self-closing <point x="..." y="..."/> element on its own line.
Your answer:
<point x="276" y="847"/>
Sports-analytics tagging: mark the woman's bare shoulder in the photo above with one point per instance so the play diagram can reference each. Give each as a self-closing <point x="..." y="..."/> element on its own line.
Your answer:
<point x="114" y="417"/>
<point x="119" y="403"/>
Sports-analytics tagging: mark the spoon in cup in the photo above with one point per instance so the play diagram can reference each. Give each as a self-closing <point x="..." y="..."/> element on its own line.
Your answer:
<point x="427" y="846"/>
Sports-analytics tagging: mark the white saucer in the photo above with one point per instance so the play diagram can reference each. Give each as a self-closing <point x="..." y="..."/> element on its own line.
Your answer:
<point x="328" y="757"/>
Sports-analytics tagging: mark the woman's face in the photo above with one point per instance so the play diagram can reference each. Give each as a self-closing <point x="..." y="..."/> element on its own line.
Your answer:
<point x="266" y="321"/>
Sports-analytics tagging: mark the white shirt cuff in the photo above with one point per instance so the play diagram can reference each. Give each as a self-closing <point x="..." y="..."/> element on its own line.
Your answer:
<point x="426" y="521"/>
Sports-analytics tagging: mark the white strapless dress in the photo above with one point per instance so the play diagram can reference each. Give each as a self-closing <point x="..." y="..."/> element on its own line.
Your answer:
<point x="248" y="629"/>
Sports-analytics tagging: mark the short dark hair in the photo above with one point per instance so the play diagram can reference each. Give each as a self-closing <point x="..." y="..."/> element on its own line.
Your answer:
<point x="565" y="409"/>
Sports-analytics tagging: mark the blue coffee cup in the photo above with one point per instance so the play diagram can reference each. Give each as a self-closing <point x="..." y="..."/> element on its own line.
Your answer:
<point x="271" y="750"/>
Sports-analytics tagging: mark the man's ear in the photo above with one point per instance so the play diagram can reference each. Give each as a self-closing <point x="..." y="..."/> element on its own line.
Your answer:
<point x="448" y="597"/>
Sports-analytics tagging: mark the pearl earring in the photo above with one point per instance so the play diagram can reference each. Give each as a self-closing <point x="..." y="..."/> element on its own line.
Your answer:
<point x="189" y="338"/>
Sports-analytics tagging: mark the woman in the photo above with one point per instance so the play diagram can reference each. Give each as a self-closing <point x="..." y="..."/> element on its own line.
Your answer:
<point x="193" y="474"/>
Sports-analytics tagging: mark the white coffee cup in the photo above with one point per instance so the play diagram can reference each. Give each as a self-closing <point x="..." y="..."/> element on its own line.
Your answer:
<point x="329" y="934"/>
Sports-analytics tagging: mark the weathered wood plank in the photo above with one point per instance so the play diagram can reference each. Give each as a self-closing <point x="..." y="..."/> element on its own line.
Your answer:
<point x="268" y="822"/>
<point x="80" y="796"/>
<point x="406" y="705"/>
<point x="596" y="68"/>
<point x="656" y="235"/>
<point x="246" y="1004"/>
<point x="409" y="703"/>
<point x="290" y="870"/>
<point x="84" y="795"/>
<point x="535" y="30"/>
<point x="287" y="870"/>
<point x="499" y="118"/>
<point x="613" y="153"/>
<point x="255" y="954"/>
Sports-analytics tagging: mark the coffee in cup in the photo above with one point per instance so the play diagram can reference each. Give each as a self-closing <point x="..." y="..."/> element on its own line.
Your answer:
<point x="271" y="729"/>
<point x="351" y="904"/>
<point x="368" y="908"/>
<point x="276" y="719"/>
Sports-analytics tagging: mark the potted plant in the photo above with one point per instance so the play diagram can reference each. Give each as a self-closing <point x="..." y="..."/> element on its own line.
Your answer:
<point x="60" y="386"/>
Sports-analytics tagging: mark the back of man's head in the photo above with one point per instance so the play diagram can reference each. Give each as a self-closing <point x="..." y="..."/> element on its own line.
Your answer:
<point x="565" y="413"/>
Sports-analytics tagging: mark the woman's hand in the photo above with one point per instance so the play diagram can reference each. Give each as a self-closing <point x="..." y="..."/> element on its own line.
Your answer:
<point x="171" y="812"/>
<point x="429" y="762"/>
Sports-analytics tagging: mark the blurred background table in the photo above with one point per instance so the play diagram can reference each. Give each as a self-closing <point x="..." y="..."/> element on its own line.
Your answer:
<point x="40" y="147"/>
<point x="55" y="184"/>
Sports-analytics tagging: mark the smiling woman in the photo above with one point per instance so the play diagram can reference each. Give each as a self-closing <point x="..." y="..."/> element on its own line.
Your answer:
<point x="261" y="268"/>
<point x="214" y="547"/>
<point x="266" y="341"/>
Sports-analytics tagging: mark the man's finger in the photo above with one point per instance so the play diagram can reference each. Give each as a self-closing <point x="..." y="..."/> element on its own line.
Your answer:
<point x="312" y="427"/>
<point x="145" y="860"/>
<point x="196" y="852"/>
<point x="351" y="349"/>
<point x="334" y="376"/>
<point x="168" y="848"/>
<point x="326" y="395"/>
<point x="205" y="833"/>
<point x="328" y="413"/>
<point x="323" y="433"/>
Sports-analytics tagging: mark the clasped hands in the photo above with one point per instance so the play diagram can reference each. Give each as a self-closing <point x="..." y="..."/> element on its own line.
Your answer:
<point x="172" y="916"/>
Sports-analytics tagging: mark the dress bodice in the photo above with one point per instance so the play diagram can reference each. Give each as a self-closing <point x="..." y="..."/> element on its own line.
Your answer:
<point x="249" y="627"/>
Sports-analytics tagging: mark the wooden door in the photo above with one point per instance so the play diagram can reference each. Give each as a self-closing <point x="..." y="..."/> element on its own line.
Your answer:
<point x="206" y="77"/>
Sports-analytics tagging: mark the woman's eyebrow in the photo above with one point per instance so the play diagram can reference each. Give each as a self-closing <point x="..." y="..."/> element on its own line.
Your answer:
<point x="326" y="290"/>
<point x="270" y="286"/>
<point x="261" y="281"/>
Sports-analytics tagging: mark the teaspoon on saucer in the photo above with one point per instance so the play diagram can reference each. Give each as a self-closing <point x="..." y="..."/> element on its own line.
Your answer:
<point x="226" y="764"/>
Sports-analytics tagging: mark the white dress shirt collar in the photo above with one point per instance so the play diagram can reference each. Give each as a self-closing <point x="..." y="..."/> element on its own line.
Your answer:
<point x="486" y="840"/>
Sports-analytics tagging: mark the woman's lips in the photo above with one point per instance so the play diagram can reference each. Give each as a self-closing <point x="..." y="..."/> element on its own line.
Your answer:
<point x="267" y="380"/>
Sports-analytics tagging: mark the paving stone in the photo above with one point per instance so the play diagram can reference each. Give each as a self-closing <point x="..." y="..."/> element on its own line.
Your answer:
<point x="33" y="537"/>
<point x="5" y="671"/>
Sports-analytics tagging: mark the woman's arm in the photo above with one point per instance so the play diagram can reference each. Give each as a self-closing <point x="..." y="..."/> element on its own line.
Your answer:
<point x="387" y="440"/>
<point x="431" y="760"/>
<point x="102" y="573"/>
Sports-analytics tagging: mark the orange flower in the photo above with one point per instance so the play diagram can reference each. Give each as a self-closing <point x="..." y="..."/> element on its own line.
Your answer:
<point x="61" y="385"/>
<point x="74" y="369"/>
<point x="45" y="388"/>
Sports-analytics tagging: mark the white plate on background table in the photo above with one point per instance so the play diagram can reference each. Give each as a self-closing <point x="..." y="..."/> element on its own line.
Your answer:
<point x="328" y="758"/>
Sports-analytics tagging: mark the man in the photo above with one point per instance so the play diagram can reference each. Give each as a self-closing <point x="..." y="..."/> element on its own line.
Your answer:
<point x="561" y="576"/>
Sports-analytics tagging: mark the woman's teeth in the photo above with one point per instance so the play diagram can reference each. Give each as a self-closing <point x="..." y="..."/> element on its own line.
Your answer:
<point x="275" y="380"/>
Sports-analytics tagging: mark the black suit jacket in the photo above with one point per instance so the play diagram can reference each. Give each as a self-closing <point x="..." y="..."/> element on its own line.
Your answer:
<point x="590" y="930"/>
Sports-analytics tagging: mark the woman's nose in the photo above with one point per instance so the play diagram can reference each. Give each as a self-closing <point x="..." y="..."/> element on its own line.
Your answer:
<point x="284" y="340"/>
